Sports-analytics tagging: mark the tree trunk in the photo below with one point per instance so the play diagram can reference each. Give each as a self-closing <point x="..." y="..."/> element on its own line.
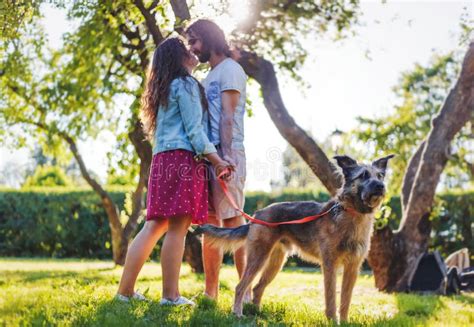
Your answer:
<point x="144" y="152"/>
<point x="466" y="229"/>
<point x="401" y="248"/>
<point x="119" y="243"/>
<point x="410" y="173"/>
<point x="193" y="253"/>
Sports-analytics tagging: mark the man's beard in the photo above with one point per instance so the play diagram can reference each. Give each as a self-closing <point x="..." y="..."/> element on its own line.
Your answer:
<point x="204" y="56"/>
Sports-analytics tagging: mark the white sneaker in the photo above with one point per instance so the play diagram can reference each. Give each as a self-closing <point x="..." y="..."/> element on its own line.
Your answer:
<point x="181" y="300"/>
<point x="136" y="296"/>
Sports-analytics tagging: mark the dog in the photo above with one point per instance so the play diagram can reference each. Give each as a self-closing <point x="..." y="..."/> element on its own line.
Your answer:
<point x="341" y="237"/>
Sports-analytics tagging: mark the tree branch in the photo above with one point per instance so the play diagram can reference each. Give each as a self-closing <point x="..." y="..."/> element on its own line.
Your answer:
<point x="127" y="62"/>
<point x="109" y="205"/>
<point x="144" y="152"/>
<point x="181" y="13"/>
<point x="130" y="46"/>
<point x="410" y="173"/>
<point x="153" y="5"/>
<point x="150" y="22"/>
<point x="136" y="45"/>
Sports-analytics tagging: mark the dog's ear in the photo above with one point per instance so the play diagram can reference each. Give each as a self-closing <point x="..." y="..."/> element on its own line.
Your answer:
<point x="382" y="162"/>
<point x="346" y="163"/>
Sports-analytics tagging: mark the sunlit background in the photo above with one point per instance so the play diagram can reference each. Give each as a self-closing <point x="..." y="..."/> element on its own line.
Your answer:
<point x="349" y="78"/>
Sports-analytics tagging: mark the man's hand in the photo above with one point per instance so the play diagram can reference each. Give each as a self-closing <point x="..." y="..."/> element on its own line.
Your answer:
<point x="221" y="166"/>
<point x="228" y="172"/>
<point x="230" y="160"/>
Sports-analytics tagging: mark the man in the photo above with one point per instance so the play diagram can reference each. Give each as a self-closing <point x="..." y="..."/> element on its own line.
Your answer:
<point x="225" y="91"/>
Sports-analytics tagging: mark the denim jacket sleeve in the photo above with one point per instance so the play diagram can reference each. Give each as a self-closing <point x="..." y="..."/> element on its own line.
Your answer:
<point x="189" y="103"/>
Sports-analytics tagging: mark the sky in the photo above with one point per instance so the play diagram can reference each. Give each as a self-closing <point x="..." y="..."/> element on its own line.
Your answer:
<point x="348" y="78"/>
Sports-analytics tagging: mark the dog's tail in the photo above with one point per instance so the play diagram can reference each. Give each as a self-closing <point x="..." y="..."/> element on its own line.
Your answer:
<point x="228" y="239"/>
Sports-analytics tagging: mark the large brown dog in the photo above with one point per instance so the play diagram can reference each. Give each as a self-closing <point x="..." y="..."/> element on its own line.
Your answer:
<point x="342" y="237"/>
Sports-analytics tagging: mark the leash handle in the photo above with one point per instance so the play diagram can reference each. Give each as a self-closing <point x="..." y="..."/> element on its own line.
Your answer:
<point x="262" y="222"/>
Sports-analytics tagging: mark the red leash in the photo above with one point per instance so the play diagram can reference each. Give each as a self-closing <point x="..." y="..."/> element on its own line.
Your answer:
<point x="262" y="222"/>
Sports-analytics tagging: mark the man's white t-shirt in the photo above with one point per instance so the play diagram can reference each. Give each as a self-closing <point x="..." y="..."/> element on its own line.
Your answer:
<point x="227" y="75"/>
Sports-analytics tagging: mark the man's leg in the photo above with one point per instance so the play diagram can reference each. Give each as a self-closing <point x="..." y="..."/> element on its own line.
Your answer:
<point x="240" y="256"/>
<point x="212" y="260"/>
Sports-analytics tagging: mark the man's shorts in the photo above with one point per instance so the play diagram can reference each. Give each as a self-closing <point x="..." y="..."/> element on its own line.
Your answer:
<point x="218" y="203"/>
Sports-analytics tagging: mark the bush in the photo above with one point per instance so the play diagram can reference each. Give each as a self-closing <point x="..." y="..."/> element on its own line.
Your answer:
<point x="66" y="222"/>
<point x="54" y="222"/>
<point x="452" y="221"/>
<point x="48" y="176"/>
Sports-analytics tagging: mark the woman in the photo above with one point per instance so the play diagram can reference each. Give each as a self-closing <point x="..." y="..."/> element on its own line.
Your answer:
<point x="174" y="114"/>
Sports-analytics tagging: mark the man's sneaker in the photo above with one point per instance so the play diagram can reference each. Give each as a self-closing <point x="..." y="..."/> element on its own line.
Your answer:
<point x="136" y="296"/>
<point x="179" y="301"/>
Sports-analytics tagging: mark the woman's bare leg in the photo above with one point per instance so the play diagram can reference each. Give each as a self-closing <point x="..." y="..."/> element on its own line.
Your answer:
<point x="172" y="255"/>
<point x="138" y="252"/>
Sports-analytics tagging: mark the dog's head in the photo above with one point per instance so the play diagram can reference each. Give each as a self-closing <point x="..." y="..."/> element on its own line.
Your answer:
<point x="363" y="184"/>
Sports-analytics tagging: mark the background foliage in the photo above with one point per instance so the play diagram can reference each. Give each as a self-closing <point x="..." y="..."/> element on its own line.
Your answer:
<point x="421" y="92"/>
<point x="66" y="222"/>
<point x="48" y="176"/>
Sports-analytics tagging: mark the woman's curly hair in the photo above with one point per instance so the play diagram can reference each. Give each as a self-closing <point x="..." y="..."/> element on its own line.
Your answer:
<point x="167" y="65"/>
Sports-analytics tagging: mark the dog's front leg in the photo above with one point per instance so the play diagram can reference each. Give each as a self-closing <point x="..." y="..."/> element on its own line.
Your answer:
<point x="349" y="278"/>
<point x="329" y="273"/>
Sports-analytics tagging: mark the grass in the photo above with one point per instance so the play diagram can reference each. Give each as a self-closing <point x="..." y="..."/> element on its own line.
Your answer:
<point x="78" y="292"/>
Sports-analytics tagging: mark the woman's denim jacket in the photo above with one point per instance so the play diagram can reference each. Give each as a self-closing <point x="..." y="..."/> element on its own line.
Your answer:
<point x="183" y="124"/>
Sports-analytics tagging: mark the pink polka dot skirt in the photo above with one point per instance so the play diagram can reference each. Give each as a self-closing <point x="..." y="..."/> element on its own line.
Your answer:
<point x="178" y="185"/>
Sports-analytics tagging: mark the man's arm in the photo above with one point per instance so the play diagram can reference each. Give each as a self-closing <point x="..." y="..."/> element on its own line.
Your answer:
<point x="230" y="100"/>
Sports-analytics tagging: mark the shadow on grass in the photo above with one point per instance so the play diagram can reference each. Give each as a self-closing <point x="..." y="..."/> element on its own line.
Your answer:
<point x="114" y="313"/>
<point x="206" y="313"/>
<point x="135" y="313"/>
<point x="91" y="311"/>
<point x="65" y="276"/>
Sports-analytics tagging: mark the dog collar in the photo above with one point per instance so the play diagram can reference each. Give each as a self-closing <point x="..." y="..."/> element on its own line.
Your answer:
<point x="353" y="212"/>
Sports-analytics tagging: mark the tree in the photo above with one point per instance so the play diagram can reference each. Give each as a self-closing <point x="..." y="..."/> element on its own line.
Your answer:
<point x="16" y="14"/>
<point x="421" y="91"/>
<point x="54" y="100"/>
<point x="393" y="255"/>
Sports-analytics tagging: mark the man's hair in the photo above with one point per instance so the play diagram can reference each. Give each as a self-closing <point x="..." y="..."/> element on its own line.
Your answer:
<point x="211" y="36"/>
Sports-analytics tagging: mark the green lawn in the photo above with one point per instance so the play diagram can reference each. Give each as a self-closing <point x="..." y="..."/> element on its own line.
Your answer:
<point x="74" y="292"/>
